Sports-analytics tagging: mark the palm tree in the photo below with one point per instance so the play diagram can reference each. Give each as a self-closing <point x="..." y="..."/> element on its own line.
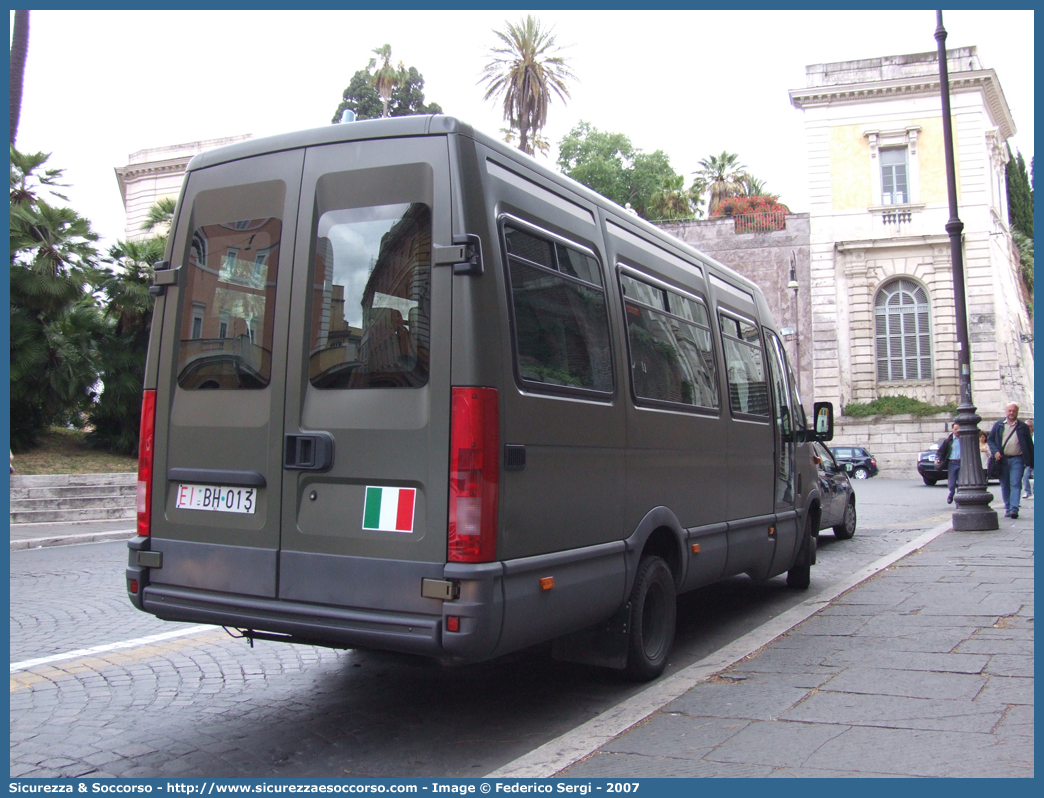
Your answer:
<point x="55" y="324"/>
<point x="752" y="187"/>
<point x="127" y="307"/>
<point x="19" y="53"/>
<point x="523" y="73"/>
<point x="723" y="176"/>
<point x="670" y="201"/>
<point x="160" y="215"/>
<point x="386" y="77"/>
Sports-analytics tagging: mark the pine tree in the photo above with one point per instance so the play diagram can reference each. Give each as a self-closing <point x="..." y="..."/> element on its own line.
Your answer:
<point x="1020" y="195"/>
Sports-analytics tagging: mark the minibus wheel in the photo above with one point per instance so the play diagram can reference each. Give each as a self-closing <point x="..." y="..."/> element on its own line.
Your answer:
<point x="653" y="615"/>
<point x="799" y="577"/>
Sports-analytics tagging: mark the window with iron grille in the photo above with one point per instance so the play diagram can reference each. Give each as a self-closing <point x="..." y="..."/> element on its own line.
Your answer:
<point x="903" y="332"/>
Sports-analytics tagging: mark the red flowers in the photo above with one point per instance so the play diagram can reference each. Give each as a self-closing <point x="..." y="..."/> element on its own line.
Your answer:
<point x="754" y="214"/>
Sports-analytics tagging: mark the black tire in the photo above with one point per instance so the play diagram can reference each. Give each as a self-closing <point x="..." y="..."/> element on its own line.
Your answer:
<point x="799" y="577"/>
<point x="654" y="612"/>
<point x="861" y="473"/>
<point x="929" y="482"/>
<point x="847" y="528"/>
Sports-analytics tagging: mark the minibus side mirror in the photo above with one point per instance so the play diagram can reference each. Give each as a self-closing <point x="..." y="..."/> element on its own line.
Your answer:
<point x="824" y="415"/>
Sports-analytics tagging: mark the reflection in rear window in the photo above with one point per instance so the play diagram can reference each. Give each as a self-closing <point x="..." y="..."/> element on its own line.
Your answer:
<point x="228" y="305"/>
<point x="370" y="298"/>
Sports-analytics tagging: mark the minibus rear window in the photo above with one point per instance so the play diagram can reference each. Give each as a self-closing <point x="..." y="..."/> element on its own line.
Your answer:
<point x="561" y="327"/>
<point x="228" y="311"/>
<point x="370" y="298"/>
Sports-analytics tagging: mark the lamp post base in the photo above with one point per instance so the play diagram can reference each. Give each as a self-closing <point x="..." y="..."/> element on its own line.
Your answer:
<point x="973" y="513"/>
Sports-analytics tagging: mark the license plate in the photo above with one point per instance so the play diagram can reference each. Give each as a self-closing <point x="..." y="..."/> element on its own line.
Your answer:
<point x="219" y="498"/>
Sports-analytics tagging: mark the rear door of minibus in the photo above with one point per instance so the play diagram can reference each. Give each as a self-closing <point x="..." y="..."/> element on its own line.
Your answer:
<point x="366" y="444"/>
<point x="221" y="377"/>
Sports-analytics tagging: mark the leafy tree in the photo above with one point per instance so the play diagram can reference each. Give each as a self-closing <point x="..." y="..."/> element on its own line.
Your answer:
<point x="19" y="54"/>
<point x="124" y="284"/>
<point x="522" y="73"/>
<point x="609" y="164"/>
<point x="55" y="324"/>
<point x="407" y="99"/>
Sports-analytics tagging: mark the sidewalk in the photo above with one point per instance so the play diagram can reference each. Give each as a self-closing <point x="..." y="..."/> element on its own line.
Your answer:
<point x="31" y="536"/>
<point x="924" y="670"/>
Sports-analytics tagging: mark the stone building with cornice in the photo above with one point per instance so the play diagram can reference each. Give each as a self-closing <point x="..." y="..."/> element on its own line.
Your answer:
<point x="882" y="299"/>
<point x="154" y="174"/>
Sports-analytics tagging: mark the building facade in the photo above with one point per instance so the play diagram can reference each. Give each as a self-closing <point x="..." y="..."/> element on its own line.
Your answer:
<point x="154" y="174"/>
<point x="882" y="294"/>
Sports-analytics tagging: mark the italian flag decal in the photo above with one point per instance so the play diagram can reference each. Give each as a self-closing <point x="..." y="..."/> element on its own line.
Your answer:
<point x="389" y="509"/>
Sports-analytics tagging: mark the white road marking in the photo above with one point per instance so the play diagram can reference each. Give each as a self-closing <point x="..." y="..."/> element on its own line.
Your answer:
<point x="107" y="647"/>
<point x="574" y="745"/>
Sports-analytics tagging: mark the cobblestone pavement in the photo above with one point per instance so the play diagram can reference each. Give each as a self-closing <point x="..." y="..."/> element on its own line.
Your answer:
<point x="925" y="670"/>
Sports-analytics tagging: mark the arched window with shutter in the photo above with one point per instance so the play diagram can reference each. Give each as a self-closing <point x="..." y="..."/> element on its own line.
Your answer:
<point x="903" y="332"/>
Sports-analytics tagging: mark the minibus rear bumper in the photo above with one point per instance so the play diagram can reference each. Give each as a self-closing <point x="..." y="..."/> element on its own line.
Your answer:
<point x="337" y="627"/>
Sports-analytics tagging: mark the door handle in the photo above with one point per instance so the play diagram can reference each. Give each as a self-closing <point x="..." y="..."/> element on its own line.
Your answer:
<point x="308" y="451"/>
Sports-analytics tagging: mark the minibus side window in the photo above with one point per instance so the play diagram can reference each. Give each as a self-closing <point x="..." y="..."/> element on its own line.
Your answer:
<point x="229" y="305"/>
<point x="670" y="345"/>
<point x="370" y="298"/>
<point x="745" y="366"/>
<point x="561" y="326"/>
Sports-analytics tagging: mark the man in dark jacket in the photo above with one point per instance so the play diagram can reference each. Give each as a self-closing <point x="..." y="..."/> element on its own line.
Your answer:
<point x="1011" y="444"/>
<point x="949" y="457"/>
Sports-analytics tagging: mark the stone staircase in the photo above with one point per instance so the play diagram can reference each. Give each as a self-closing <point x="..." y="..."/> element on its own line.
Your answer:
<point x="64" y="498"/>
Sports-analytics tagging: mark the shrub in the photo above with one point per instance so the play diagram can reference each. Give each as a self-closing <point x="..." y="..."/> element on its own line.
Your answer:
<point x="895" y="406"/>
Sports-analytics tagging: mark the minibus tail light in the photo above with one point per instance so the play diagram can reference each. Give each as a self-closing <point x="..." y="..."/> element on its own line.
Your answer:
<point x="146" y="441"/>
<point x="474" y="475"/>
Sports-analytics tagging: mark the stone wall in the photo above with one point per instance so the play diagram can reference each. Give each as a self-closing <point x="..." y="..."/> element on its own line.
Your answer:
<point x="765" y="258"/>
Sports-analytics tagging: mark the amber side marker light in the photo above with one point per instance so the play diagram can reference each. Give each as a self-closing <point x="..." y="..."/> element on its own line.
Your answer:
<point x="547" y="582"/>
<point x="695" y="548"/>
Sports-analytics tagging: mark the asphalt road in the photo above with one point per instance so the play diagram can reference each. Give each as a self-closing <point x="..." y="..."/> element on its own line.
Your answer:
<point x="208" y="705"/>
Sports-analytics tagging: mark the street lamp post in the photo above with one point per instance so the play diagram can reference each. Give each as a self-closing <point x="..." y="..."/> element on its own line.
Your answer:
<point x="793" y="286"/>
<point x="973" y="513"/>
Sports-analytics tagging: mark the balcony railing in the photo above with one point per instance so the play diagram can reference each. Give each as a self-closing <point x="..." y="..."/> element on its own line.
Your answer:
<point x="760" y="222"/>
<point x="897" y="217"/>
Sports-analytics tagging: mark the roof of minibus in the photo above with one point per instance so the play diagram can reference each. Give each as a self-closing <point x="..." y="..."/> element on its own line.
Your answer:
<point x="440" y="125"/>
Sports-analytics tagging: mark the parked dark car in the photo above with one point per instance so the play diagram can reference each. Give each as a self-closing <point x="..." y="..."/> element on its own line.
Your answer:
<point x="926" y="467"/>
<point x="859" y="463"/>
<point x="838" y="495"/>
<point x="931" y="473"/>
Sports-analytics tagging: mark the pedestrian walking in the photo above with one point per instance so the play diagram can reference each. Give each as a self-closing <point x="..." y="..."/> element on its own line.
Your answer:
<point x="950" y="456"/>
<point x="1027" y="478"/>
<point x="1011" y="444"/>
